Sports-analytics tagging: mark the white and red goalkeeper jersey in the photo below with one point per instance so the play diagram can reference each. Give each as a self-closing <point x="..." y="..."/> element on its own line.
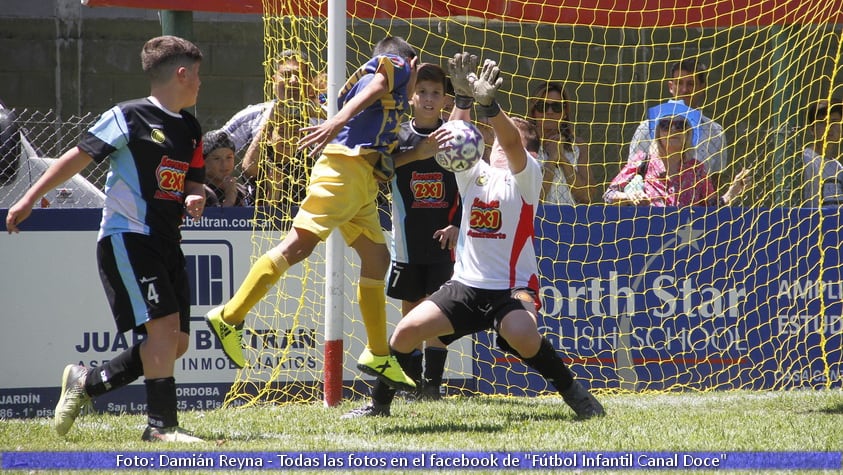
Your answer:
<point x="495" y="246"/>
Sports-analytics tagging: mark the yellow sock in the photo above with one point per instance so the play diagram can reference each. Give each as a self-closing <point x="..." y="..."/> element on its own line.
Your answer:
<point x="261" y="277"/>
<point x="372" y="297"/>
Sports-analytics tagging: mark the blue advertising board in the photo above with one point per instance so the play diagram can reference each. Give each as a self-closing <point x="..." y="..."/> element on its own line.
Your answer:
<point x="692" y="298"/>
<point x="632" y="298"/>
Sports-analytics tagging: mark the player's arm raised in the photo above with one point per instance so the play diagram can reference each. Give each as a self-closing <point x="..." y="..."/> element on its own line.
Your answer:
<point x="317" y="136"/>
<point x="485" y="88"/>
<point x="70" y="163"/>
<point x="460" y="68"/>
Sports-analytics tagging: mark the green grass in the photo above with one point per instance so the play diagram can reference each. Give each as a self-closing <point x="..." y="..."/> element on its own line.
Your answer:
<point x="719" y="421"/>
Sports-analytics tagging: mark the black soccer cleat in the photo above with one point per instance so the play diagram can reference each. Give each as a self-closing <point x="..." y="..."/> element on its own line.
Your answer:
<point x="584" y="404"/>
<point x="369" y="410"/>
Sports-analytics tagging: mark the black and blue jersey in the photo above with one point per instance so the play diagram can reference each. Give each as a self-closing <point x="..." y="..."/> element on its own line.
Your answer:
<point x="424" y="199"/>
<point x="153" y="152"/>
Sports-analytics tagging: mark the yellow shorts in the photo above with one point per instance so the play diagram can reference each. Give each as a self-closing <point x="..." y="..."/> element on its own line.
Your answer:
<point x="341" y="194"/>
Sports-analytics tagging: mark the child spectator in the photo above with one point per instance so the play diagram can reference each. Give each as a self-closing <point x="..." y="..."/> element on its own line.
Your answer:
<point x="221" y="187"/>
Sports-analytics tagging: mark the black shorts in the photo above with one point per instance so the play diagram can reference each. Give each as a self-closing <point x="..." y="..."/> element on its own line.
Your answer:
<point x="144" y="278"/>
<point x="413" y="282"/>
<point x="471" y="310"/>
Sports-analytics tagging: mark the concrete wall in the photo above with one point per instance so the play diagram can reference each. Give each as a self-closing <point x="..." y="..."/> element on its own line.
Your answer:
<point x="60" y="55"/>
<point x="56" y="54"/>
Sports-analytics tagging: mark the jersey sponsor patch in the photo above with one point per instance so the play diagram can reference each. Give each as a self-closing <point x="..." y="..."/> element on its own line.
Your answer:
<point x="486" y="219"/>
<point x="170" y="174"/>
<point x="428" y="189"/>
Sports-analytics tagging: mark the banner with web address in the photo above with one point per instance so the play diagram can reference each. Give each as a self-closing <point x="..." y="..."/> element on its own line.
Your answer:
<point x="633" y="298"/>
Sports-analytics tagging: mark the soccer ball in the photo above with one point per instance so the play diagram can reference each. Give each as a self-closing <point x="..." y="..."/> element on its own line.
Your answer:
<point x="465" y="146"/>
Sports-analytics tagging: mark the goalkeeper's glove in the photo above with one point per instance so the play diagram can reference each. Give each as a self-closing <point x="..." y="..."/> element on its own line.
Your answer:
<point x="485" y="87"/>
<point x="461" y="67"/>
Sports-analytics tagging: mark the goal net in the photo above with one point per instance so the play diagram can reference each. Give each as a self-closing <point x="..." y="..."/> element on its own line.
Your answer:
<point x="634" y="298"/>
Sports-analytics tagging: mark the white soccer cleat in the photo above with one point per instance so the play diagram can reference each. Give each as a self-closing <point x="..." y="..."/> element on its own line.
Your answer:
<point x="73" y="397"/>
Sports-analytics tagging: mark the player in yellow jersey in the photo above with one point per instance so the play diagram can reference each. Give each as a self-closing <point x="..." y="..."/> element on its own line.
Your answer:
<point x="356" y="145"/>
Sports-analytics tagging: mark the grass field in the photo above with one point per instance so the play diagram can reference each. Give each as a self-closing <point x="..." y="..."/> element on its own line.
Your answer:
<point x="720" y="421"/>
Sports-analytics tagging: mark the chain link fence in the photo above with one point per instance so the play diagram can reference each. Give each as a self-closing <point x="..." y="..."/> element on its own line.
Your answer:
<point x="29" y="141"/>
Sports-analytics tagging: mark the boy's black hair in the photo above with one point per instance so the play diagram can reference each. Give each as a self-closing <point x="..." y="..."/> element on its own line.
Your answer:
<point x="394" y="45"/>
<point x="820" y="110"/>
<point x="692" y="66"/>
<point x="433" y="73"/>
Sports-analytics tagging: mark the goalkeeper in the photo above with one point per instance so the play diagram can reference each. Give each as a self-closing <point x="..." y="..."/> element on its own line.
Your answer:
<point x="496" y="273"/>
<point x="357" y="144"/>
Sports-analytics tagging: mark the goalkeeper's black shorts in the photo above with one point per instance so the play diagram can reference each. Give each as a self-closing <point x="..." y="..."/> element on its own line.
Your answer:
<point x="471" y="310"/>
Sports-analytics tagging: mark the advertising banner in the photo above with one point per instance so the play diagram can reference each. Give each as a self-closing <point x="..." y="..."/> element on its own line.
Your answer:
<point x="56" y="313"/>
<point x="695" y="298"/>
<point x="633" y="298"/>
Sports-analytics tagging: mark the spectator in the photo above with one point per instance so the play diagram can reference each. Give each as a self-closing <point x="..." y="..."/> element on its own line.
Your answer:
<point x="668" y="175"/>
<point x="687" y="86"/>
<point x="221" y="187"/>
<point x="823" y="170"/>
<point x="567" y="175"/>
<point x="243" y="126"/>
<point x="282" y="181"/>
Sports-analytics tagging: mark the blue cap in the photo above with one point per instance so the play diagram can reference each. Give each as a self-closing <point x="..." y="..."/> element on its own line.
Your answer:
<point x="675" y="109"/>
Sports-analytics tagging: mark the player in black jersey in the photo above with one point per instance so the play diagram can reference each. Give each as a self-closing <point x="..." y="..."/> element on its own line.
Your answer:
<point x="156" y="174"/>
<point x="425" y="218"/>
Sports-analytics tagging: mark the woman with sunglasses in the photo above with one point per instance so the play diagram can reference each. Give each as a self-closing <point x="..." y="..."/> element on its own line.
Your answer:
<point x="669" y="175"/>
<point x="567" y="178"/>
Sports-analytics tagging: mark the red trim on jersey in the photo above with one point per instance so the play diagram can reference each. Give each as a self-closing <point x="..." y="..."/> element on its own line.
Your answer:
<point x="524" y="233"/>
<point x="198" y="160"/>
